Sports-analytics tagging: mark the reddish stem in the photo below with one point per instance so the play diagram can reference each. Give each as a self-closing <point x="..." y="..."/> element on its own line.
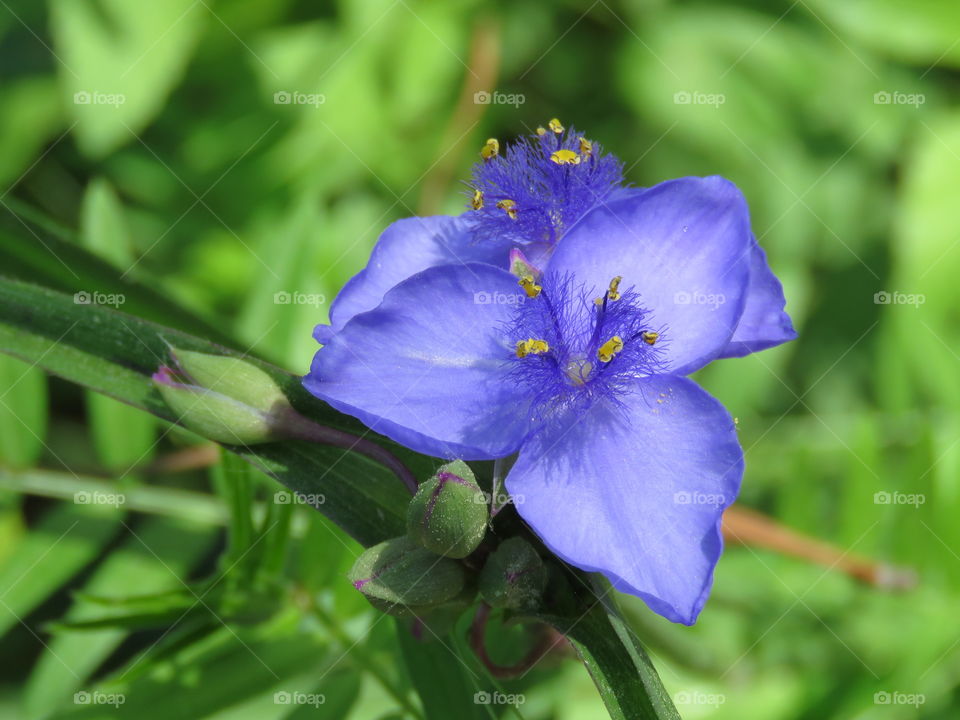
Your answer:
<point x="478" y="644"/>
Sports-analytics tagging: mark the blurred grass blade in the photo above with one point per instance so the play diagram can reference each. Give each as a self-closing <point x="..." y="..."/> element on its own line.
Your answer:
<point x="151" y="499"/>
<point x="226" y="668"/>
<point x="32" y="119"/>
<point x="23" y="412"/>
<point x="122" y="436"/>
<point x="34" y="249"/>
<point x="103" y="229"/>
<point x="440" y="678"/>
<point x="111" y="90"/>
<point x="276" y="528"/>
<point x="340" y="690"/>
<point x="233" y="481"/>
<point x="120" y="623"/>
<point x="291" y="288"/>
<point x="66" y="540"/>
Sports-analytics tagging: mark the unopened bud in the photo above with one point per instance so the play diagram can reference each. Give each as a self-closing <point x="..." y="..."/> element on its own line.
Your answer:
<point x="234" y="377"/>
<point x="397" y="576"/>
<point x="448" y="515"/>
<point x="513" y="576"/>
<point x="223" y="398"/>
<point x="212" y="414"/>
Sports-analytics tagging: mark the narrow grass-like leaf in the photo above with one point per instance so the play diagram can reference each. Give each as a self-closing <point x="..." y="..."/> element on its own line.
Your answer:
<point x="441" y="679"/>
<point x="23" y="412"/>
<point x="623" y="673"/>
<point x="116" y="354"/>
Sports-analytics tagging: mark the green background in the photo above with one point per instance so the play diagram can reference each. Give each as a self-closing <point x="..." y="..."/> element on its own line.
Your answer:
<point x="837" y="119"/>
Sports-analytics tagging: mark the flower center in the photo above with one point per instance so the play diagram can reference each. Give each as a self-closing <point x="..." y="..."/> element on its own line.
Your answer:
<point x="571" y="349"/>
<point x="539" y="186"/>
<point x="578" y="370"/>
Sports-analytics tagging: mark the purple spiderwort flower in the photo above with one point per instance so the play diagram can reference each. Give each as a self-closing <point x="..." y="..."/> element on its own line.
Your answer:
<point x="521" y="198"/>
<point x="624" y="464"/>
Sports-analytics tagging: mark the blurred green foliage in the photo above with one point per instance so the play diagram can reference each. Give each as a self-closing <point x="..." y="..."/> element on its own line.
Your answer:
<point x="242" y="158"/>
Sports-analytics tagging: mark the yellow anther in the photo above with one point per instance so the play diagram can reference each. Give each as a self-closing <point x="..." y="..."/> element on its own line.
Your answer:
<point x="477" y="201"/>
<point x="490" y="149"/>
<point x="529" y="286"/>
<point x="610" y="348"/>
<point x="531" y="347"/>
<point x="555" y="126"/>
<point x="613" y="293"/>
<point x="586" y="147"/>
<point x="509" y="207"/>
<point x="541" y="131"/>
<point x="565" y="157"/>
<point x="649" y="337"/>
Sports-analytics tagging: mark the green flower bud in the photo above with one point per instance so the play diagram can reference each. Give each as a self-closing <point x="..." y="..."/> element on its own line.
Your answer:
<point x="399" y="577"/>
<point x="514" y="576"/>
<point x="224" y="398"/>
<point x="212" y="414"/>
<point x="448" y="515"/>
<point x="234" y="377"/>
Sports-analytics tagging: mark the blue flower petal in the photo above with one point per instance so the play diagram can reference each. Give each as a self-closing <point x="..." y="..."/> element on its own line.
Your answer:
<point x="764" y="323"/>
<point x="405" y="248"/>
<point x="684" y="245"/>
<point x="427" y="367"/>
<point x="637" y="493"/>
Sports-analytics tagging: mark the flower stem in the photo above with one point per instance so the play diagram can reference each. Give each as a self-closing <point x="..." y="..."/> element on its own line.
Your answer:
<point x="299" y="427"/>
<point x="548" y="640"/>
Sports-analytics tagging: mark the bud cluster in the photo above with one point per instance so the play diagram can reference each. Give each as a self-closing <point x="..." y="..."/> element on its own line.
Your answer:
<point x="421" y="574"/>
<point x="424" y="573"/>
